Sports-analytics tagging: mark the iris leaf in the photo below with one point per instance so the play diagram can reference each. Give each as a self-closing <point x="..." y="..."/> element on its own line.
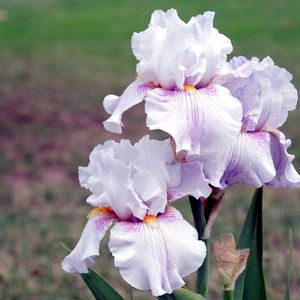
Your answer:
<point x="182" y="294"/>
<point x="99" y="287"/>
<point x="250" y="285"/>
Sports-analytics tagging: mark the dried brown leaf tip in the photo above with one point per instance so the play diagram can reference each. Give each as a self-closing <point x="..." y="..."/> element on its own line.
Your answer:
<point x="230" y="261"/>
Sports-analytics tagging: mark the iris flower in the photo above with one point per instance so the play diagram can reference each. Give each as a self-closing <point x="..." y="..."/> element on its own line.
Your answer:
<point x="259" y="153"/>
<point x="178" y="65"/>
<point x="132" y="187"/>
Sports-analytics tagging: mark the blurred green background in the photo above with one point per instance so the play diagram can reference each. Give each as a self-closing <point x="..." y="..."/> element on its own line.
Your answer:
<point x="58" y="59"/>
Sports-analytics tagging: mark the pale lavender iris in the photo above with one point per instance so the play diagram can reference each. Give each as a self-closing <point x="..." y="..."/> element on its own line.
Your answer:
<point x="132" y="187"/>
<point x="259" y="154"/>
<point x="178" y="64"/>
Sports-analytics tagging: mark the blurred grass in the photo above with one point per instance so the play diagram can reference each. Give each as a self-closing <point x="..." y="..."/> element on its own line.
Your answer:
<point x="58" y="59"/>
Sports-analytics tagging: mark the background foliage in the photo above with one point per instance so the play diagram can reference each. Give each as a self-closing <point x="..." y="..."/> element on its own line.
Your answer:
<point x="58" y="59"/>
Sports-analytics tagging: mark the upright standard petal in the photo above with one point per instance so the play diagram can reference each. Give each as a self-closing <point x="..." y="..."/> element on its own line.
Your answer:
<point x="198" y="120"/>
<point x="173" y="53"/>
<point x="103" y="174"/>
<point x="286" y="175"/>
<point x="266" y="94"/>
<point x="152" y="175"/>
<point x="82" y="257"/>
<point x="116" y="106"/>
<point x="248" y="160"/>
<point x="155" y="254"/>
<point x="188" y="179"/>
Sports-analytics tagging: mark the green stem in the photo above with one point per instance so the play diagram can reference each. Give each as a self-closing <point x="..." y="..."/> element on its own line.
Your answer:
<point x="227" y="294"/>
<point x="203" y="273"/>
<point x="198" y="215"/>
<point x="200" y="223"/>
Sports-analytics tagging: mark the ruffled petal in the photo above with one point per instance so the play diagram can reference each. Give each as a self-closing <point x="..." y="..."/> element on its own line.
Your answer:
<point x="82" y="257"/>
<point x="173" y="53"/>
<point x="152" y="174"/>
<point x="264" y="90"/>
<point x="190" y="181"/>
<point x="286" y="175"/>
<point x="200" y="120"/>
<point x="248" y="160"/>
<point x="123" y="150"/>
<point x="109" y="179"/>
<point x="155" y="254"/>
<point x="133" y="94"/>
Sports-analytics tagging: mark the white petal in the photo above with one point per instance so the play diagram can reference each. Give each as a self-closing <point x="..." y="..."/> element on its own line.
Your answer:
<point x="109" y="179"/>
<point x="110" y="103"/>
<point x="82" y="257"/>
<point x="192" y="181"/>
<point x="248" y="160"/>
<point x="266" y="93"/>
<point x="156" y="255"/>
<point x="152" y="176"/>
<point x="173" y="53"/>
<point x="286" y="175"/>
<point x="123" y="150"/>
<point x="132" y="95"/>
<point x="201" y="120"/>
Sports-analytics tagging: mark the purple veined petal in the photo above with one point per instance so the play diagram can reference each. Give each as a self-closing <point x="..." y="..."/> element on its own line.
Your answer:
<point x="286" y="175"/>
<point x="248" y="160"/>
<point x="133" y="94"/>
<point x="155" y="254"/>
<point x="82" y="256"/>
<point x="190" y="181"/>
<point x="103" y="174"/>
<point x="200" y="120"/>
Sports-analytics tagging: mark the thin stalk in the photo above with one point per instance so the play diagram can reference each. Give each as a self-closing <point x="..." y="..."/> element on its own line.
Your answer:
<point x="200" y="223"/>
<point x="198" y="215"/>
<point x="227" y="294"/>
<point x="203" y="273"/>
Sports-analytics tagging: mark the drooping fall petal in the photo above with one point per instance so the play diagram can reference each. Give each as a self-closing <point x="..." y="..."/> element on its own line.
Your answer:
<point x="198" y="120"/>
<point x="155" y="254"/>
<point x="82" y="257"/>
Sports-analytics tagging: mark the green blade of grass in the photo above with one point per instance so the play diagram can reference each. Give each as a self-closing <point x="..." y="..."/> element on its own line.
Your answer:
<point x="250" y="285"/>
<point x="100" y="288"/>
<point x="182" y="294"/>
<point x="290" y="263"/>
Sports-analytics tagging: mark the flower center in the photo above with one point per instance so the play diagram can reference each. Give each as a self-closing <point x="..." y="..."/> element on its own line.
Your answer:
<point x="189" y="88"/>
<point x="151" y="220"/>
<point x="100" y="210"/>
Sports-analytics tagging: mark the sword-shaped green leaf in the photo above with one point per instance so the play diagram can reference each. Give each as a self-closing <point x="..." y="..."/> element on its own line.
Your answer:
<point x="182" y="294"/>
<point x="99" y="287"/>
<point x="250" y="285"/>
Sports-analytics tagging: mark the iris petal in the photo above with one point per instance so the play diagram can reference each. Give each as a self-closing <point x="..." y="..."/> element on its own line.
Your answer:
<point x="286" y="175"/>
<point x="156" y="254"/>
<point x="133" y="94"/>
<point x="198" y="121"/>
<point x="82" y="257"/>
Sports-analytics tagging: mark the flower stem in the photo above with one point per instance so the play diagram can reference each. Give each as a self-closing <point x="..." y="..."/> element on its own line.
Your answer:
<point x="227" y="294"/>
<point x="203" y="273"/>
<point x="200" y="223"/>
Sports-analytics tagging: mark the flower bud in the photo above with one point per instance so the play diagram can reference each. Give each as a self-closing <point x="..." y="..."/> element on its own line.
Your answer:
<point x="230" y="261"/>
